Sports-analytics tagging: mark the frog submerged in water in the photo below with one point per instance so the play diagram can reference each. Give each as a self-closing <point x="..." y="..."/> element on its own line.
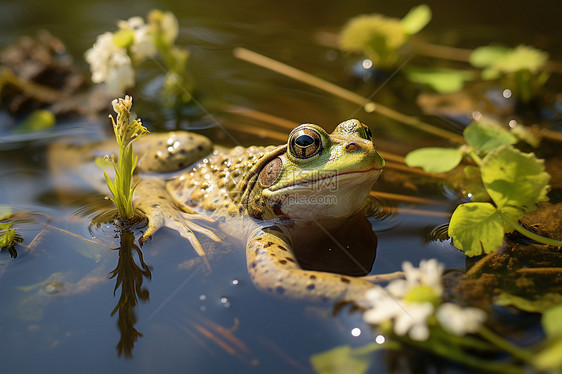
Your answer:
<point x="315" y="182"/>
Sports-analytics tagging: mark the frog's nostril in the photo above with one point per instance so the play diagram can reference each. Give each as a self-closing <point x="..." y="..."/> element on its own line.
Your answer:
<point x="352" y="146"/>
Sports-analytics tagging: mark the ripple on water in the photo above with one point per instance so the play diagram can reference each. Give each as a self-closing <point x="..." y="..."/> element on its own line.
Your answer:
<point x="383" y="210"/>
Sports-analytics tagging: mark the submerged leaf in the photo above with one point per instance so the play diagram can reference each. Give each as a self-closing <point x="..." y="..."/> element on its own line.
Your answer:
<point x="341" y="359"/>
<point x="434" y="160"/>
<point x="487" y="136"/>
<point x="485" y="56"/>
<point x="539" y="305"/>
<point x="476" y="228"/>
<point x="514" y="179"/>
<point x="552" y="320"/>
<point x="416" y="19"/>
<point x="550" y="357"/>
<point x="37" y="121"/>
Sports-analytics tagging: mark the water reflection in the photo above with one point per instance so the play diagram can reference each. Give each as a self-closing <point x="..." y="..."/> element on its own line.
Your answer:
<point x="349" y="248"/>
<point x="129" y="276"/>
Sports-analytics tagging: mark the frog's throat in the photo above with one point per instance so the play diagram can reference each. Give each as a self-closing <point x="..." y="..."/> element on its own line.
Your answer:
<point x="337" y="176"/>
<point x="246" y="185"/>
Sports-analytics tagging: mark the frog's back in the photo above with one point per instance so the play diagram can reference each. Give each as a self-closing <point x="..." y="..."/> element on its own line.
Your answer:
<point x="212" y="184"/>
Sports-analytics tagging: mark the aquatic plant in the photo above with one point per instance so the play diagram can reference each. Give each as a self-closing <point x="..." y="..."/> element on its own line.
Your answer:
<point x="512" y="183"/>
<point x="8" y="235"/>
<point x="114" y="56"/>
<point x="380" y="38"/>
<point x="521" y="70"/>
<point x="126" y="132"/>
<point x="412" y="312"/>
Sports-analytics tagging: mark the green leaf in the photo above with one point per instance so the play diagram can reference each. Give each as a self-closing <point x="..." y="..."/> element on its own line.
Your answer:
<point x="416" y="19"/>
<point x="539" y="305"/>
<point x="550" y="357"/>
<point x="434" y="160"/>
<point x="36" y="121"/>
<point x="340" y="360"/>
<point x="5" y="212"/>
<point x="110" y="185"/>
<point x="522" y="58"/>
<point x="376" y="36"/>
<point x="525" y="134"/>
<point x="486" y="56"/>
<point x="552" y="320"/>
<point x="103" y="162"/>
<point x="487" y="136"/>
<point x="476" y="228"/>
<point x="440" y="79"/>
<point x="124" y="38"/>
<point x="514" y="179"/>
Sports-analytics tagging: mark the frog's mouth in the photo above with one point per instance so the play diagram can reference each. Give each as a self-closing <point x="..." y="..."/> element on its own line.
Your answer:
<point x="328" y="179"/>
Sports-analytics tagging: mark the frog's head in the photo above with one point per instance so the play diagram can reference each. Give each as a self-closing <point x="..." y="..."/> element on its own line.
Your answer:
<point x="316" y="175"/>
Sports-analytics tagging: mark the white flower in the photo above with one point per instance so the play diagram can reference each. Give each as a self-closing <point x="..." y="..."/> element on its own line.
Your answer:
<point x="408" y="318"/>
<point x="458" y="320"/>
<point x="110" y="63"/>
<point x="99" y="55"/>
<point x="121" y="74"/>
<point x="170" y="27"/>
<point x="408" y="302"/>
<point x="143" y="45"/>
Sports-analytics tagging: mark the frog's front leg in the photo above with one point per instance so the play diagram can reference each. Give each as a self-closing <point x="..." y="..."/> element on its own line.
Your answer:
<point x="273" y="268"/>
<point x="159" y="207"/>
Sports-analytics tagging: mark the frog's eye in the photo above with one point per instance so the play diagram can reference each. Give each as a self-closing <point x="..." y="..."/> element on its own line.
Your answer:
<point x="305" y="143"/>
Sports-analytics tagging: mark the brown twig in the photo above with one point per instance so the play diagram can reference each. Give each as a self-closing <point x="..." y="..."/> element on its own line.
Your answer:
<point x="404" y="198"/>
<point x="477" y="268"/>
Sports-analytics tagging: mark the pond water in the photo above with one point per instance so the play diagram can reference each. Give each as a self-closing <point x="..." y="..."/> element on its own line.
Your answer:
<point x="61" y="311"/>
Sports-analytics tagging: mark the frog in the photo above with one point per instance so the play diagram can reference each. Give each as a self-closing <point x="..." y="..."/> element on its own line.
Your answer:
<point x="265" y="196"/>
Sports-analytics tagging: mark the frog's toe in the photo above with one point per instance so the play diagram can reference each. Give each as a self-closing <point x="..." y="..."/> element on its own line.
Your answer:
<point x="162" y="211"/>
<point x="200" y="229"/>
<point x="181" y="224"/>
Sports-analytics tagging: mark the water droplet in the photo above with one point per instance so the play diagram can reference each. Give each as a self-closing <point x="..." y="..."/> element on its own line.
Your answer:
<point x="513" y="123"/>
<point x="235" y="282"/>
<point x="203" y="297"/>
<point x="225" y="302"/>
<point x="506" y="93"/>
<point x="52" y="288"/>
<point x="356" y="331"/>
<point x="367" y="64"/>
<point x="476" y="115"/>
<point x="380" y="339"/>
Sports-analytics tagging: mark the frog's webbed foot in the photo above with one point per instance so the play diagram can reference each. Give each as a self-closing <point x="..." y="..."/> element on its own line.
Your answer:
<point x="273" y="268"/>
<point x="161" y="211"/>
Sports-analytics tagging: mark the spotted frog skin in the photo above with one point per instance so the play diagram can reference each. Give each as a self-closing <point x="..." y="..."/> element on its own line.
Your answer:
<point x="314" y="182"/>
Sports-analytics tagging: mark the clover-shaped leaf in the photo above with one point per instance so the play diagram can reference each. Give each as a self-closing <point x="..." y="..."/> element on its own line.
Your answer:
<point x="434" y="159"/>
<point x="514" y="179"/>
<point x="487" y="136"/>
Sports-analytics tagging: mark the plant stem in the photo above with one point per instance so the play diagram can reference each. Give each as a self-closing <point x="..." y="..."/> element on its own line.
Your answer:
<point x="505" y="345"/>
<point x="530" y="234"/>
<point x="477" y="160"/>
<point x="452" y="353"/>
